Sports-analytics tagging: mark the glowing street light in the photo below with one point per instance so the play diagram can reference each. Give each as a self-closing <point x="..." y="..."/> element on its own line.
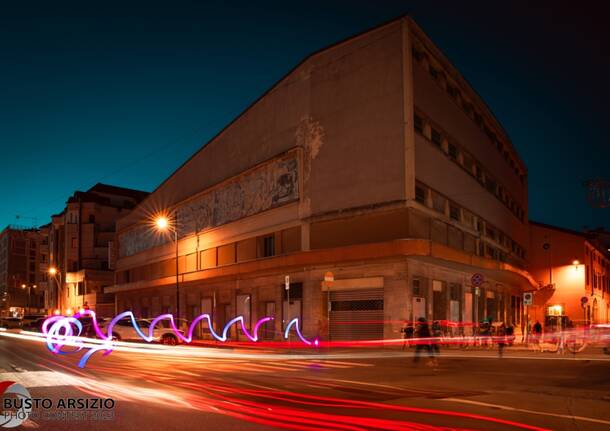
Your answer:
<point x="56" y="274"/>
<point x="162" y="223"/>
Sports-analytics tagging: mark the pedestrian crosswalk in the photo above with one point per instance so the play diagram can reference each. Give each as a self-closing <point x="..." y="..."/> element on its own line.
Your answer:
<point x="259" y="366"/>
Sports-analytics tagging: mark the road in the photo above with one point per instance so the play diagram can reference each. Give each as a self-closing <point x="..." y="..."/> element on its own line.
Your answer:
<point x="343" y="390"/>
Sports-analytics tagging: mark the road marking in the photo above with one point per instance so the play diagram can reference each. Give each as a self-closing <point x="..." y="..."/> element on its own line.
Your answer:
<point x="534" y="412"/>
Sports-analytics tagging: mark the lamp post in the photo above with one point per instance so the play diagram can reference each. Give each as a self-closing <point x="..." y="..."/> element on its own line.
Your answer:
<point x="163" y="224"/>
<point x="29" y="301"/>
<point x="56" y="274"/>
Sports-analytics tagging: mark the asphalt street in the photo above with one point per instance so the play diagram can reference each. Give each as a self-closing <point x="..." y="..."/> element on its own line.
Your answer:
<point x="347" y="389"/>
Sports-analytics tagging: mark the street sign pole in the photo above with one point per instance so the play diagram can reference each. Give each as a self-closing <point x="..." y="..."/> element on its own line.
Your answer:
<point x="329" y="279"/>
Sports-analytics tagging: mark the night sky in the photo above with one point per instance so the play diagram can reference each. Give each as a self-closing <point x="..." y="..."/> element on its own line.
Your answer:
<point x="105" y="92"/>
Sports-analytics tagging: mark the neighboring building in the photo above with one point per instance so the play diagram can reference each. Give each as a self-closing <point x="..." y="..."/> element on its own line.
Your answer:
<point x="80" y="245"/>
<point x="573" y="272"/>
<point x="374" y="160"/>
<point x="21" y="282"/>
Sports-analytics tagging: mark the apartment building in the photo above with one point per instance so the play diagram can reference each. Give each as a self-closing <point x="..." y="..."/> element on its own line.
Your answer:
<point x="372" y="164"/>
<point x="21" y="282"/>
<point x="80" y="248"/>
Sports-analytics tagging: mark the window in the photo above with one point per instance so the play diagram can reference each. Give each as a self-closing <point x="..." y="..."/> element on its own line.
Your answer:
<point x="438" y="202"/>
<point x="91" y="218"/>
<point x="490" y="232"/>
<point x="491" y="185"/>
<point x="74" y="242"/>
<point x="467" y="161"/>
<point x="436" y="137"/>
<point x="452" y="151"/>
<point x="467" y="218"/>
<point x="454" y="212"/>
<point x="454" y="291"/>
<point x="478" y="172"/>
<point x="479" y="225"/>
<point x="417" y="290"/>
<point x="269" y="246"/>
<point x="419" y="124"/>
<point x="433" y="72"/>
<point x="420" y="194"/>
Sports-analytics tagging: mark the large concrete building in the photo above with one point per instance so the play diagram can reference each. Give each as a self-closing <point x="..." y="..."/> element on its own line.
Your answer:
<point x="22" y="277"/>
<point x="80" y="247"/>
<point x="573" y="272"/>
<point x="374" y="160"/>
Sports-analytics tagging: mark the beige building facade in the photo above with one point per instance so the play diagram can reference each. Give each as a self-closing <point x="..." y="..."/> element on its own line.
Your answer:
<point x="373" y="160"/>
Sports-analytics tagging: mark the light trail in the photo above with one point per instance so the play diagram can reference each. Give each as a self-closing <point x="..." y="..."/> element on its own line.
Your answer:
<point x="59" y="332"/>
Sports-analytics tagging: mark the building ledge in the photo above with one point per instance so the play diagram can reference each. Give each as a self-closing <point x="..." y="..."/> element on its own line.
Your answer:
<point x="330" y="256"/>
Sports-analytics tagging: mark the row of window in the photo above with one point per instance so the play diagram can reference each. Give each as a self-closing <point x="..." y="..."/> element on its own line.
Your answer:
<point x="285" y="241"/>
<point x="466" y="161"/>
<point x="490" y="303"/>
<point x="596" y="279"/>
<point x="462" y="101"/>
<point x="438" y="202"/>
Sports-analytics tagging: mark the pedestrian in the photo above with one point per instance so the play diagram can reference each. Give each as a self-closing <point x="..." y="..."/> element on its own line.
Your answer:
<point x="510" y="334"/>
<point x="484" y="332"/>
<point x="501" y="338"/>
<point x="537" y="329"/>
<point x="422" y="339"/>
<point x="437" y="334"/>
<point x="407" y="334"/>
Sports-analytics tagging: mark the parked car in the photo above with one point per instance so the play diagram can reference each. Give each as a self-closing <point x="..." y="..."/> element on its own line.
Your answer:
<point x="34" y="325"/>
<point x="28" y="318"/>
<point x="10" y="322"/>
<point x="123" y="330"/>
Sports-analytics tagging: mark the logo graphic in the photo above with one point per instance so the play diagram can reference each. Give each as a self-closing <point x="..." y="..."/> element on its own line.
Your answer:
<point x="15" y="409"/>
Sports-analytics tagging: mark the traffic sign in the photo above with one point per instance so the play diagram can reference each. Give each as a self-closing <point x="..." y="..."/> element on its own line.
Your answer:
<point x="477" y="279"/>
<point x="287" y="282"/>
<point x="528" y="298"/>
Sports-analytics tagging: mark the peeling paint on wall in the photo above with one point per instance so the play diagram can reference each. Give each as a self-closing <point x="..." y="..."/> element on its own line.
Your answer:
<point x="309" y="136"/>
<point x="269" y="186"/>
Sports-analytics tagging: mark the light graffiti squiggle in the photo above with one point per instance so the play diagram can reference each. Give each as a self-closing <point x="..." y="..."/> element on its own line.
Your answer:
<point x="58" y="330"/>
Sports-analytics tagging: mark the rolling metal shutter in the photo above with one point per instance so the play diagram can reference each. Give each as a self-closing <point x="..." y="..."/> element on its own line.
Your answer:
<point x="356" y="314"/>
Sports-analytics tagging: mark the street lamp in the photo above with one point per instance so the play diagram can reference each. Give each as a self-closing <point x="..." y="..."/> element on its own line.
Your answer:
<point x="163" y="224"/>
<point x="56" y="274"/>
<point x="29" y="287"/>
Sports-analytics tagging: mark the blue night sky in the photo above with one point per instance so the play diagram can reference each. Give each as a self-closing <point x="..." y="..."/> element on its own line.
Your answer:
<point x="104" y="92"/>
